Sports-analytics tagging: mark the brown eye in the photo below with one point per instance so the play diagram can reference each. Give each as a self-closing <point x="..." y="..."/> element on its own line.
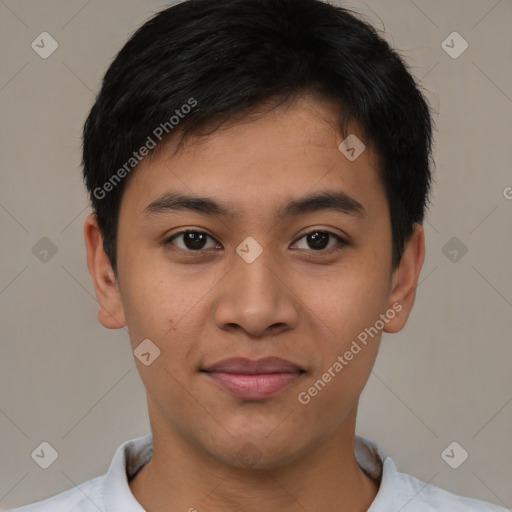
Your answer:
<point x="318" y="240"/>
<point x="191" y="240"/>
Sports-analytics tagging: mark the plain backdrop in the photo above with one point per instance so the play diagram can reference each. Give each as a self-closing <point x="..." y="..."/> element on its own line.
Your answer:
<point x="446" y="377"/>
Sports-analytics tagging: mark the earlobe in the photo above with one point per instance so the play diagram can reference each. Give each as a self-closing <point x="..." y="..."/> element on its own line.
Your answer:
<point x="405" y="280"/>
<point x="111" y="313"/>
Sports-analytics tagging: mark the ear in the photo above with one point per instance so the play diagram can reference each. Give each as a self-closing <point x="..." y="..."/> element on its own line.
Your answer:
<point x="111" y="313"/>
<point x="405" y="280"/>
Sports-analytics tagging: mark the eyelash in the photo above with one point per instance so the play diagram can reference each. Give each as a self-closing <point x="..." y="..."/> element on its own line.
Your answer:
<point x="341" y="242"/>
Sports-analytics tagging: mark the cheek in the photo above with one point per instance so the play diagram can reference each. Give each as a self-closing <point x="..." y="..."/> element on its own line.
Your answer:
<point x="166" y="315"/>
<point x="350" y="298"/>
<point x="167" y="305"/>
<point x="147" y="292"/>
<point x="347" y="309"/>
<point x="352" y="305"/>
<point x="147" y="312"/>
<point x="333" y="393"/>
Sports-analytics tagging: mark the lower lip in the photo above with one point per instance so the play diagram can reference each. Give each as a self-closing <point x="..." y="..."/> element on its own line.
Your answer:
<point x="256" y="386"/>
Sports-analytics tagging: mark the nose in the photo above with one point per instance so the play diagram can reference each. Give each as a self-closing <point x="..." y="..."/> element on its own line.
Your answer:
<point x="256" y="298"/>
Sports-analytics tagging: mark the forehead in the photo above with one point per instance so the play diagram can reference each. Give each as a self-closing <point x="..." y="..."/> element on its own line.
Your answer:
<point x="252" y="164"/>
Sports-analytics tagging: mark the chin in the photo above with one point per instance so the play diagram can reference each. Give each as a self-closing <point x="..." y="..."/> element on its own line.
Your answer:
<point x="257" y="451"/>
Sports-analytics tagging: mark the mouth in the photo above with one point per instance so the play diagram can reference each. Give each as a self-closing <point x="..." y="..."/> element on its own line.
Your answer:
<point x="253" y="380"/>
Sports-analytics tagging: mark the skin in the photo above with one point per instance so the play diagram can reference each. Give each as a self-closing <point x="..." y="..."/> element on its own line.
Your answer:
<point x="293" y="301"/>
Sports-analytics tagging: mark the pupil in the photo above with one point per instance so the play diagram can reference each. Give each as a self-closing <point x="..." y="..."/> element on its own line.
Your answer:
<point x="319" y="240"/>
<point x="194" y="240"/>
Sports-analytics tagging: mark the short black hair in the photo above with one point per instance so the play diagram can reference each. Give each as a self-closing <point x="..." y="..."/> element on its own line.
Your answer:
<point x="204" y="61"/>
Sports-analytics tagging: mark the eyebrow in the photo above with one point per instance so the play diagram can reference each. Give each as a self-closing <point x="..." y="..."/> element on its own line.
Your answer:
<point x="327" y="200"/>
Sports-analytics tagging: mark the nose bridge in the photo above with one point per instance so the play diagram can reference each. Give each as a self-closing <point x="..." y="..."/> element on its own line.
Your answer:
<point x="258" y="277"/>
<point x="254" y="295"/>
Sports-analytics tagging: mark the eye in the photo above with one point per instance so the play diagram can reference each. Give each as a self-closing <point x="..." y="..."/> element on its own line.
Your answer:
<point x="192" y="240"/>
<point x="318" y="240"/>
<point x="195" y="241"/>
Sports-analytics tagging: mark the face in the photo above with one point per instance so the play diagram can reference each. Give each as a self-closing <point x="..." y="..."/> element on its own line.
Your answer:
<point x="256" y="279"/>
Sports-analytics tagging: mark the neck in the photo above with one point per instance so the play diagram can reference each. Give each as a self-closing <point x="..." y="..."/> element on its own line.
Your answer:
<point x="180" y="477"/>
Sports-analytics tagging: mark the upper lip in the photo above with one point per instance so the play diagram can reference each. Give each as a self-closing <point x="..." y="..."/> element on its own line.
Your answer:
<point x="242" y="365"/>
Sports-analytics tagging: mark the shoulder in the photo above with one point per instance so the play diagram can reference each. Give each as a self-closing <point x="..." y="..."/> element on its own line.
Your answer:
<point x="418" y="496"/>
<point x="106" y="492"/>
<point x="86" y="497"/>
<point x="401" y="491"/>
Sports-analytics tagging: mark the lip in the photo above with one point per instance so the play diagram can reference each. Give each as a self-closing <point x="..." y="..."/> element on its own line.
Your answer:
<point x="250" y="367"/>
<point x="253" y="380"/>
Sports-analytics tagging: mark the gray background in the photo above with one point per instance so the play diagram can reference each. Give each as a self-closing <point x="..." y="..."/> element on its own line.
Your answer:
<point x="66" y="380"/>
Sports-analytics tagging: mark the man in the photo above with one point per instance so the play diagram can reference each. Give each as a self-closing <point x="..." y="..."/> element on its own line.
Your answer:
<point x="259" y="171"/>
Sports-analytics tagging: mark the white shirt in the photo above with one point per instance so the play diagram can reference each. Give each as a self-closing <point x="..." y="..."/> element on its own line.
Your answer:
<point x="397" y="492"/>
